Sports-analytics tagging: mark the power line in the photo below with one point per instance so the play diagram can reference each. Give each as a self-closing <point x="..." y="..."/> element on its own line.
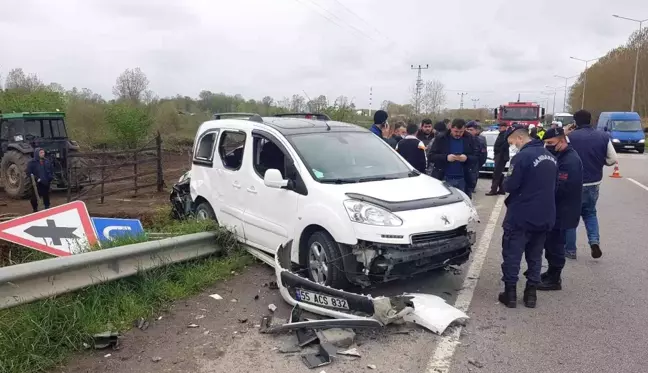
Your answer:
<point x="341" y="20"/>
<point x="363" y="20"/>
<point x="419" y="87"/>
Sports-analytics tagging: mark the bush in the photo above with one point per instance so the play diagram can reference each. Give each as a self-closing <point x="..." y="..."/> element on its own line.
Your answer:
<point x="129" y="124"/>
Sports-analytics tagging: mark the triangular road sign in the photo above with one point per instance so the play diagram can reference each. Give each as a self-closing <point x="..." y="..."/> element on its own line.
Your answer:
<point x="61" y="231"/>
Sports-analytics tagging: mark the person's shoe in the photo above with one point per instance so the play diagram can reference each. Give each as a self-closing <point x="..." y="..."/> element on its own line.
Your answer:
<point x="509" y="296"/>
<point x="570" y="256"/>
<point x="550" y="281"/>
<point x="596" y="251"/>
<point x="491" y="194"/>
<point x="501" y="193"/>
<point x="530" y="298"/>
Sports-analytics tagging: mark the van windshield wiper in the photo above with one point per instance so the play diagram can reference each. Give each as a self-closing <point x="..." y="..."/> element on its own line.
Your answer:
<point x="413" y="173"/>
<point x="339" y="181"/>
<point x="375" y="178"/>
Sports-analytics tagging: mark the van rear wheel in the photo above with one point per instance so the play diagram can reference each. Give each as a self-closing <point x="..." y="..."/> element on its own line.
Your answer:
<point x="324" y="261"/>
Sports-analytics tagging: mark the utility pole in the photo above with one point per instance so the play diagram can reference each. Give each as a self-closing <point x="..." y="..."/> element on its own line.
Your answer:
<point x="370" y="99"/>
<point x="565" y="97"/>
<point x="553" y="110"/>
<point x="462" y="94"/>
<point x="474" y="100"/>
<point x="634" y="84"/>
<point x="584" y="76"/>
<point x="419" y="87"/>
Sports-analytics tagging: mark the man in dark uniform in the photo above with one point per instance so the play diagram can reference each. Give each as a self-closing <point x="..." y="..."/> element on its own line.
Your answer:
<point x="530" y="213"/>
<point x="481" y="149"/>
<point x="501" y="157"/>
<point x="569" y="191"/>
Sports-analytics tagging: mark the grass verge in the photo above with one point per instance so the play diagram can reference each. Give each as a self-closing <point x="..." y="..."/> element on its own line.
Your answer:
<point x="39" y="336"/>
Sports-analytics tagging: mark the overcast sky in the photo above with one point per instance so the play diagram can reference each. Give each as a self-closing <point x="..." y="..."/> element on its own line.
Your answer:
<point x="490" y="49"/>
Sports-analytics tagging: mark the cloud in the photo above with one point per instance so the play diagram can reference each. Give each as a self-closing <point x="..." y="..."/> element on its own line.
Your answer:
<point x="491" y="50"/>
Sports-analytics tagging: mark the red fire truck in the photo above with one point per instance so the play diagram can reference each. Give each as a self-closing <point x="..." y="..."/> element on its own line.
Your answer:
<point x="520" y="112"/>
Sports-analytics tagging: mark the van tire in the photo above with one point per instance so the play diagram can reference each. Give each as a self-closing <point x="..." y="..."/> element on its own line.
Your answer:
<point x="204" y="211"/>
<point x="642" y="150"/>
<point x="334" y="272"/>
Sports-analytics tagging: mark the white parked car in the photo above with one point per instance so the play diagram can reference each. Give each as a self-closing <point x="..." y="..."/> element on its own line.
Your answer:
<point x="354" y="209"/>
<point x="489" y="166"/>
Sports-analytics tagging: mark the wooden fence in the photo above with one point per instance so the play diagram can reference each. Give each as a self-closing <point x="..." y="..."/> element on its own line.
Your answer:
<point x="100" y="174"/>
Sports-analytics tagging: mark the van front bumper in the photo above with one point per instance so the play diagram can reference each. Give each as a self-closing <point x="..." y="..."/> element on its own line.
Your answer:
<point x="371" y="262"/>
<point x="628" y="146"/>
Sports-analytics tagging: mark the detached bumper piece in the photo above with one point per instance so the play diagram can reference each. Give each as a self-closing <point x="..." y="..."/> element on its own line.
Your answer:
<point x="351" y="310"/>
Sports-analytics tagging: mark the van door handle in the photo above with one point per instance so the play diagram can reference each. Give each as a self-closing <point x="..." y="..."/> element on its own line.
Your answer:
<point x="252" y="190"/>
<point x="236" y="185"/>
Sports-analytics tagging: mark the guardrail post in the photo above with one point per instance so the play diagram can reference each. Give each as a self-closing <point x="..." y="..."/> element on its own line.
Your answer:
<point x="135" y="171"/>
<point x="160" y="175"/>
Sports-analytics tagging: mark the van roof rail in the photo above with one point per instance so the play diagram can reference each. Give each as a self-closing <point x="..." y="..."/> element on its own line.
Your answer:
<point x="249" y="116"/>
<point x="318" y="116"/>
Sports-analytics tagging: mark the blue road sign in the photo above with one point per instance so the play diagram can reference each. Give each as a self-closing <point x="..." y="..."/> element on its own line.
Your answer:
<point x="110" y="228"/>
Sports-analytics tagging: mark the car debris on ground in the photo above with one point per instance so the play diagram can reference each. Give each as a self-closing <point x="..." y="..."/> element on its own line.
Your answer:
<point x="348" y="312"/>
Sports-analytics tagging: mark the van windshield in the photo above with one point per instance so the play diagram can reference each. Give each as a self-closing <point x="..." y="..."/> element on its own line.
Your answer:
<point x="349" y="157"/>
<point x="626" y="125"/>
<point x="565" y="120"/>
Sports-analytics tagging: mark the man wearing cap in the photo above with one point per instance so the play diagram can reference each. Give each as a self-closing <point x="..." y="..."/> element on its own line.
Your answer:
<point x="481" y="150"/>
<point x="500" y="158"/>
<point x="569" y="188"/>
<point x="530" y="213"/>
<point x="541" y="131"/>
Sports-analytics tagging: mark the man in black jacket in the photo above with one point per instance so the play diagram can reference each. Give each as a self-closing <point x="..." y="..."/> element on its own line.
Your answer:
<point x="501" y="157"/>
<point x="413" y="149"/>
<point x="425" y="133"/>
<point x="453" y="157"/>
<point x="481" y="150"/>
<point x="569" y="190"/>
<point x="530" y="214"/>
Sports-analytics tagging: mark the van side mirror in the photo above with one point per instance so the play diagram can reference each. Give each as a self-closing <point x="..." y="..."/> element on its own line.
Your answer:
<point x="605" y="129"/>
<point x="273" y="179"/>
<point x="495" y="114"/>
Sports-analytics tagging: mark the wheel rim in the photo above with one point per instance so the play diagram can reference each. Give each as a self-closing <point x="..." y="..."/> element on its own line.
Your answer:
<point x="318" y="263"/>
<point x="13" y="175"/>
<point x="202" y="214"/>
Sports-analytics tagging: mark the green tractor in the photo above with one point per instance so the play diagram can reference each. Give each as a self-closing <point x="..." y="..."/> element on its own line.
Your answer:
<point x="20" y="134"/>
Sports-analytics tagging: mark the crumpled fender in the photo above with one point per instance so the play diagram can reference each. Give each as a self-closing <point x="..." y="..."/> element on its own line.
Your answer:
<point x="432" y="312"/>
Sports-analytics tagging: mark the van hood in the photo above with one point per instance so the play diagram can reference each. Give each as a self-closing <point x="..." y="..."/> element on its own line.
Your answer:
<point x="627" y="135"/>
<point x="399" y="190"/>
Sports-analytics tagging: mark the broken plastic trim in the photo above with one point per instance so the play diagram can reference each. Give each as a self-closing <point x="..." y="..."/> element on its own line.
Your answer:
<point x="431" y="312"/>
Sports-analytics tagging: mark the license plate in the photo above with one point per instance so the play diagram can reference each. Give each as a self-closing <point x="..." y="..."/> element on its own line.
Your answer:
<point x="321" y="299"/>
<point x="629" y="147"/>
<point x="490" y="164"/>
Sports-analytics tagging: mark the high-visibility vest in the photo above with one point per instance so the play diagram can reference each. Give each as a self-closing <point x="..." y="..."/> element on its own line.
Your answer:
<point x="541" y="133"/>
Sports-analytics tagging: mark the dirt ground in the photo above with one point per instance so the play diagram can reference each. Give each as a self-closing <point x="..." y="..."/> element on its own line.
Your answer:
<point x="120" y="205"/>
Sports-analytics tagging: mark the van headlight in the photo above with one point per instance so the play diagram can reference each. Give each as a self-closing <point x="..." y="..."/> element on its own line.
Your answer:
<point x="366" y="213"/>
<point x="474" y="217"/>
<point x="642" y="141"/>
<point x="616" y="140"/>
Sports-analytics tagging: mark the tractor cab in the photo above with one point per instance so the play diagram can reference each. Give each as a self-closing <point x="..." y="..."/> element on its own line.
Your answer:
<point x="20" y="135"/>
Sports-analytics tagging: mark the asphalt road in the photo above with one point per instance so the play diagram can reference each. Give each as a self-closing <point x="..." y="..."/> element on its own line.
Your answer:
<point x="596" y="324"/>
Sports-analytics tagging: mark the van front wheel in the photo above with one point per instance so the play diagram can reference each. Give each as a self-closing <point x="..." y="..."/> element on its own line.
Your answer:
<point x="204" y="211"/>
<point x="324" y="261"/>
<point x="641" y="151"/>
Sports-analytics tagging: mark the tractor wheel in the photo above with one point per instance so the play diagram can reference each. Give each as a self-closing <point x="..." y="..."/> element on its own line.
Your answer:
<point x="13" y="169"/>
<point x="80" y="172"/>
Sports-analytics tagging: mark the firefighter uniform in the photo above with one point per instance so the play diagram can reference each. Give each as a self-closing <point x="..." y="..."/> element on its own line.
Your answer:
<point x="530" y="214"/>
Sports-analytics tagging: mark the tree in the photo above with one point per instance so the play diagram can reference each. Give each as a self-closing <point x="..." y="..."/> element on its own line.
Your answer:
<point x="17" y="79"/>
<point x="129" y="123"/>
<point x="318" y="104"/>
<point x="131" y="85"/>
<point x="433" y="97"/>
<point x="267" y="101"/>
<point x="297" y="104"/>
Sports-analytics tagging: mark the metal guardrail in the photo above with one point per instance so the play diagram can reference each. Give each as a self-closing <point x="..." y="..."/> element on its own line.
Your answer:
<point x="24" y="283"/>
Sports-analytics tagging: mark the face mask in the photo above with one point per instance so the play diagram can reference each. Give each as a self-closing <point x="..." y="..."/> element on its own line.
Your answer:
<point x="551" y="149"/>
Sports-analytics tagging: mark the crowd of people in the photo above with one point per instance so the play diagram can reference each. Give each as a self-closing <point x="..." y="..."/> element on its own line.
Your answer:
<point x="552" y="182"/>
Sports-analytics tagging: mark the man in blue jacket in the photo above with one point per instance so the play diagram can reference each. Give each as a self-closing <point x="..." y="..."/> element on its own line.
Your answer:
<point x="453" y="157"/>
<point x="595" y="151"/>
<point x="41" y="169"/>
<point x="530" y="213"/>
<point x="569" y="189"/>
<point x="380" y="122"/>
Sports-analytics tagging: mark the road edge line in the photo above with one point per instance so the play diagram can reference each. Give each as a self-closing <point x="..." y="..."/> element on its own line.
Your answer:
<point x="441" y="360"/>
<point x="640" y="185"/>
